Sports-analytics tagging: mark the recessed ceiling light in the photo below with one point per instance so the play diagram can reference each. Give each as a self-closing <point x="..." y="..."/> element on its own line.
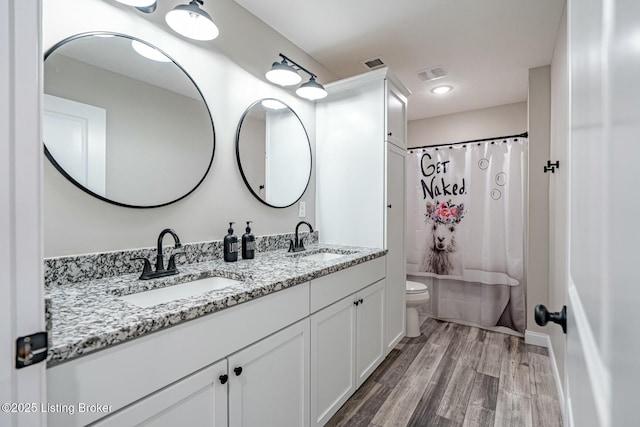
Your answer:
<point x="439" y="90"/>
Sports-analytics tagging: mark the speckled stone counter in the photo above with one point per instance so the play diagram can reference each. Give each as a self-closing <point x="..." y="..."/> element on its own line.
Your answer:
<point x="89" y="316"/>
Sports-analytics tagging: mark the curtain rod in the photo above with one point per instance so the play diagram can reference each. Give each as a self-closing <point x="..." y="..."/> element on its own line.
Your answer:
<point x="522" y="135"/>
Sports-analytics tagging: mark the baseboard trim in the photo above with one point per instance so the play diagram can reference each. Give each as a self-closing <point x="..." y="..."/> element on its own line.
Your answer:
<point x="543" y="340"/>
<point x="537" y="338"/>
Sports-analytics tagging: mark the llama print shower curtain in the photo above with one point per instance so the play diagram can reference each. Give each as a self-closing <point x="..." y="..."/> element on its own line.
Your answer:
<point x="465" y="221"/>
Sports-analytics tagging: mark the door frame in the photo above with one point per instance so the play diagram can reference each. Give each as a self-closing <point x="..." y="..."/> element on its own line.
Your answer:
<point x="21" y="266"/>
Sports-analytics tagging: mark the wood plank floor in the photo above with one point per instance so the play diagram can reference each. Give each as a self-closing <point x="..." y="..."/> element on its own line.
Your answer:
<point x="457" y="376"/>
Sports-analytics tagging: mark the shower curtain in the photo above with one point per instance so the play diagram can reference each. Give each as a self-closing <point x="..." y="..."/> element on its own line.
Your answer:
<point x="465" y="216"/>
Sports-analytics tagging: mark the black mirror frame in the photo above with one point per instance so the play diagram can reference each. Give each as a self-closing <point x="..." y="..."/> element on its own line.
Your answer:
<point x="244" y="178"/>
<point x="86" y="190"/>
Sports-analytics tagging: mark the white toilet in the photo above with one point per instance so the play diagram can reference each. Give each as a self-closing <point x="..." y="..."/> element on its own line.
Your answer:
<point x="417" y="294"/>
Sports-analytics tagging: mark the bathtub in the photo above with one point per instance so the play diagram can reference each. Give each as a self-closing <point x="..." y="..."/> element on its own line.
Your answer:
<point x="475" y="296"/>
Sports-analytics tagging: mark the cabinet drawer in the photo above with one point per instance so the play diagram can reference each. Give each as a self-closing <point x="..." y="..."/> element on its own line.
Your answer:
<point x="328" y="289"/>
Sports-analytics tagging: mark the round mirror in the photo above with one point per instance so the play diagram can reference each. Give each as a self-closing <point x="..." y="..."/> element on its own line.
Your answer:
<point x="124" y="122"/>
<point x="274" y="153"/>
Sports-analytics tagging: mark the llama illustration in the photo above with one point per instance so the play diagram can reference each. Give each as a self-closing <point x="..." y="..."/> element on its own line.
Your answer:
<point x="441" y="256"/>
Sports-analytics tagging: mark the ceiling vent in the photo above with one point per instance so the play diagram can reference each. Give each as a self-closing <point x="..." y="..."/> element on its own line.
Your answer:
<point x="373" y="63"/>
<point x="432" y="73"/>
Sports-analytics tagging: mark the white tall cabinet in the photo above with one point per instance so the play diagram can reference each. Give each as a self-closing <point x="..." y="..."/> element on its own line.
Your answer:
<point x="361" y="151"/>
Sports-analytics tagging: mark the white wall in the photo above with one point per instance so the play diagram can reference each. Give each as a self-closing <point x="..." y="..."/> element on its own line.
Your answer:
<point x="537" y="262"/>
<point x="490" y="122"/>
<point x="558" y="190"/>
<point x="75" y="222"/>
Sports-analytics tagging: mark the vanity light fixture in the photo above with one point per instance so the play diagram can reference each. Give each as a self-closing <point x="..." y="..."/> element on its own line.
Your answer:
<point x="149" y="52"/>
<point x="285" y="73"/>
<point x="192" y="22"/>
<point x="312" y="90"/>
<point x="272" y="104"/>
<point x="146" y="6"/>
<point x="442" y="89"/>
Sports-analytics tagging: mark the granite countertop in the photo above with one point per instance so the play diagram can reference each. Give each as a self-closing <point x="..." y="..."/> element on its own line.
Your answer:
<point x="89" y="316"/>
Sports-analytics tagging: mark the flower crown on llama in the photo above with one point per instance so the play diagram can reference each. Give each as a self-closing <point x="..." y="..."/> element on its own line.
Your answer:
<point x="445" y="212"/>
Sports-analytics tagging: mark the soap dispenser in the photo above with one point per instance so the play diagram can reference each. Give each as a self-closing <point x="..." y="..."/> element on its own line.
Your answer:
<point x="248" y="243"/>
<point x="230" y="245"/>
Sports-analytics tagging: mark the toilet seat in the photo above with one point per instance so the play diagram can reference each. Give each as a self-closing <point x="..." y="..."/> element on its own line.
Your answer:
<point x="415" y="287"/>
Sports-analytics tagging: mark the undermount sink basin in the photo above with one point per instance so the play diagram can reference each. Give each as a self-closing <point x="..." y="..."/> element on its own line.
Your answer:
<point x="158" y="296"/>
<point x="322" y="256"/>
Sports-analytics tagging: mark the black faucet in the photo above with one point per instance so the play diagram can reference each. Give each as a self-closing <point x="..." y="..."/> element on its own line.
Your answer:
<point x="297" y="245"/>
<point x="147" y="271"/>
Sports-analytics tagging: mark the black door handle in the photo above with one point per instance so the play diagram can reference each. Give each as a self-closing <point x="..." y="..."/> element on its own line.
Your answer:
<point x="237" y="371"/>
<point x="543" y="316"/>
<point x="223" y="378"/>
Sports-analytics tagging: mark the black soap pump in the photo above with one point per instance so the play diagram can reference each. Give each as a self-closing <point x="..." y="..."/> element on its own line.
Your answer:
<point x="230" y="245"/>
<point x="248" y="243"/>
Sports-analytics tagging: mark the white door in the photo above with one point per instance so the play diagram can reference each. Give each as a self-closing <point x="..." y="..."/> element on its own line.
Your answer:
<point x="396" y="261"/>
<point x="76" y="137"/>
<point x="333" y="353"/>
<point x="603" y="293"/>
<point x="269" y="381"/>
<point x="369" y="331"/>
<point x="21" y="272"/>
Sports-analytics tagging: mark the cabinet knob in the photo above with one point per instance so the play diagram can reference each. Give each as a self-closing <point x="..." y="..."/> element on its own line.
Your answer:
<point x="237" y="371"/>
<point x="390" y="134"/>
<point x="360" y="301"/>
<point x="389" y="206"/>
<point x="356" y="303"/>
<point x="223" y="378"/>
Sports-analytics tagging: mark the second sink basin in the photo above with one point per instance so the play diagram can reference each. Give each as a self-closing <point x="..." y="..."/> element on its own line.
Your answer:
<point x="158" y="296"/>
<point x="322" y="256"/>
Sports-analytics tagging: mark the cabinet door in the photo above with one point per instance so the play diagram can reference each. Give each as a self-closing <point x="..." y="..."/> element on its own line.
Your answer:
<point x="395" y="305"/>
<point x="396" y="117"/>
<point x="333" y="337"/>
<point x="269" y="381"/>
<point x="199" y="400"/>
<point x="369" y="331"/>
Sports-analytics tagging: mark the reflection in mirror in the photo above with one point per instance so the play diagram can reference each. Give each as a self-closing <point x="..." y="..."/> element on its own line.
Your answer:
<point x="274" y="153"/>
<point x="124" y="122"/>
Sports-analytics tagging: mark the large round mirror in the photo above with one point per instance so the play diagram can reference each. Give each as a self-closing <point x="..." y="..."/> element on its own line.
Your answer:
<point x="124" y="122"/>
<point x="274" y="153"/>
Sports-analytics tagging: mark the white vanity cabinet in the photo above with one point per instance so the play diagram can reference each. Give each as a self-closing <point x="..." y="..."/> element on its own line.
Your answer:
<point x="361" y="178"/>
<point x="347" y="337"/>
<point x="179" y="366"/>
<point x="369" y="331"/>
<point x="291" y="358"/>
<point x="263" y="385"/>
<point x="269" y="381"/>
<point x="199" y="400"/>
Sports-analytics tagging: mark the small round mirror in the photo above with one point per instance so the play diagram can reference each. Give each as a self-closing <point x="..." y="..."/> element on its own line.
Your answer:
<point x="124" y="122"/>
<point x="274" y="153"/>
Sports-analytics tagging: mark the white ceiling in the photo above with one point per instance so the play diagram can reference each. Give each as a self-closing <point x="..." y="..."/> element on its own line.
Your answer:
<point x="486" y="46"/>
